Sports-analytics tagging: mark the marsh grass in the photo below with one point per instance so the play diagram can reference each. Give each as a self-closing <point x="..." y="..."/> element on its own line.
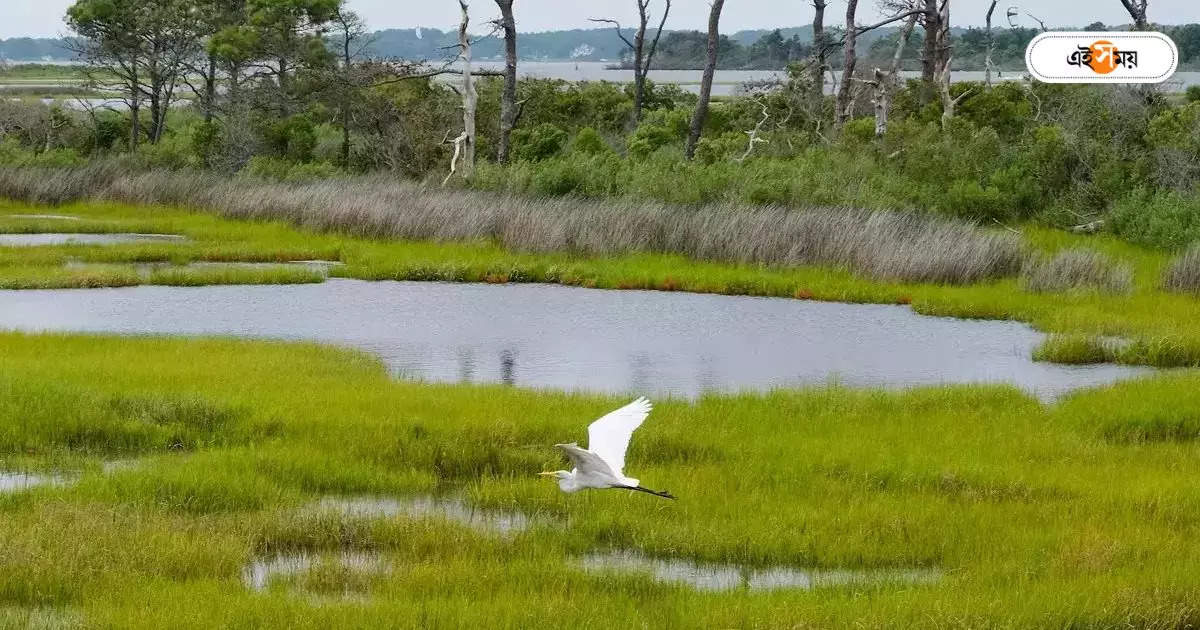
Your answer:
<point x="1078" y="269"/>
<point x="1183" y="273"/>
<point x="202" y="276"/>
<point x="1075" y="514"/>
<point x="881" y="244"/>
<point x="1162" y="325"/>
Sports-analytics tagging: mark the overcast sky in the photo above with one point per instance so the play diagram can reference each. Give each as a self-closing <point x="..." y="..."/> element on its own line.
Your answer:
<point x="41" y="18"/>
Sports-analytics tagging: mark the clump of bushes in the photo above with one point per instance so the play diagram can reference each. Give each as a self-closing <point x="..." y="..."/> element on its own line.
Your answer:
<point x="1168" y="220"/>
<point x="1078" y="269"/>
<point x="1183" y="274"/>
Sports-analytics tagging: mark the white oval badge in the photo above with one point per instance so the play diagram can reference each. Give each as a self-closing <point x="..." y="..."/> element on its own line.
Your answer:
<point x="1112" y="57"/>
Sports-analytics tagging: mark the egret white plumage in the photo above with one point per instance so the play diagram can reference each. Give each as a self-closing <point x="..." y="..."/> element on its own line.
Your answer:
<point x="601" y="465"/>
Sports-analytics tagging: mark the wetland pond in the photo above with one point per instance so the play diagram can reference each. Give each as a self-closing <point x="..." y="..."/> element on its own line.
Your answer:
<point x="546" y="336"/>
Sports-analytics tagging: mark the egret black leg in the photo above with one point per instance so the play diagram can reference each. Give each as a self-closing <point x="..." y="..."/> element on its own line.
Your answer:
<point x="664" y="494"/>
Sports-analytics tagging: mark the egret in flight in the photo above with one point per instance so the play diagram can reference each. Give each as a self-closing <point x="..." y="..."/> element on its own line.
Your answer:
<point x="600" y="465"/>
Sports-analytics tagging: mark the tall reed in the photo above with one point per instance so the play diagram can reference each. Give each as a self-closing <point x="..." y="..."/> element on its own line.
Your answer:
<point x="882" y="244"/>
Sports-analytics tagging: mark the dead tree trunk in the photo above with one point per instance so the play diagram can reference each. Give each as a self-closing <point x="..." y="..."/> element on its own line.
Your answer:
<point x="944" y="57"/>
<point x="885" y="84"/>
<point x="949" y="104"/>
<point x="991" y="45"/>
<point x="135" y="107"/>
<point x="641" y="56"/>
<point x="820" y="64"/>
<point x="710" y="66"/>
<point x="929" y="56"/>
<point x="508" y="97"/>
<point x="845" y="100"/>
<point x="464" y="144"/>
<point x="1137" y="11"/>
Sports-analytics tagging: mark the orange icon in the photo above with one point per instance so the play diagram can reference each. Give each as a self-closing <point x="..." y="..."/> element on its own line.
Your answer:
<point x="1104" y="57"/>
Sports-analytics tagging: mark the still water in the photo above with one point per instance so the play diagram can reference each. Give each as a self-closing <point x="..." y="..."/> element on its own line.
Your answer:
<point x="545" y="336"/>
<point x="726" y="82"/>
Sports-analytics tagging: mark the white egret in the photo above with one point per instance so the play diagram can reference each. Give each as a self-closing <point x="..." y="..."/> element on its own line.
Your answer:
<point x="602" y="463"/>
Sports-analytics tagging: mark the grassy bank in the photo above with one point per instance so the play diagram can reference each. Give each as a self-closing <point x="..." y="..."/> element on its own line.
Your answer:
<point x="1082" y="514"/>
<point x="1164" y="326"/>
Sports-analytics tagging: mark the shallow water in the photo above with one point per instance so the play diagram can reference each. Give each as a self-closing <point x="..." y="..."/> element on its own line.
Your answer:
<point x="727" y="82"/>
<point x="647" y="342"/>
<point x="59" y="217"/>
<point x="47" y="238"/>
<point x="726" y="577"/>
<point x="145" y="269"/>
<point x="258" y="574"/>
<point x="11" y="481"/>
<point x="447" y="508"/>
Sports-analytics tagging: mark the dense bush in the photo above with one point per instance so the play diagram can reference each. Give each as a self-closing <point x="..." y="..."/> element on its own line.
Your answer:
<point x="538" y="143"/>
<point x="1170" y="220"/>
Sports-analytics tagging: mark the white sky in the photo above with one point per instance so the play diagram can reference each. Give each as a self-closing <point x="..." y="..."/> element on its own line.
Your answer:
<point x="43" y="18"/>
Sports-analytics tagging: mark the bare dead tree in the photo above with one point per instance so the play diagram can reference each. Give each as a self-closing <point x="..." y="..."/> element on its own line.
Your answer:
<point x="819" y="62"/>
<point x="885" y="83"/>
<point x="1137" y="11"/>
<point x="929" y="57"/>
<point x="753" y="133"/>
<point x="844" y="102"/>
<point x="710" y="66"/>
<point x="991" y="45"/>
<point x="464" y="144"/>
<point x="508" y="96"/>
<point x="942" y="48"/>
<point x="642" y="56"/>
<point x="949" y="104"/>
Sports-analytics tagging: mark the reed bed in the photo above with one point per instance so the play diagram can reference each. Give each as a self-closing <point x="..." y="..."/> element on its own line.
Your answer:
<point x="885" y="245"/>
<point x="1078" y="269"/>
<point x="1183" y="273"/>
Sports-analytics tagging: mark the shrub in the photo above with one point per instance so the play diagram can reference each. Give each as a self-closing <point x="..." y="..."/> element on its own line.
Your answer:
<point x="264" y="167"/>
<point x="539" y="143"/>
<point x="589" y="142"/>
<point x="1166" y="220"/>
<point x="859" y="130"/>
<point x="1183" y="274"/>
<point x="1078" y="269"/>
<point x="970" y="200"/>
<point x="1192" y="94"/>
<point x="293" y="137"/>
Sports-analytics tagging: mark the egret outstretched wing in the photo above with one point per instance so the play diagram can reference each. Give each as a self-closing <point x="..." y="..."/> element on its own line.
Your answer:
<point x="587" y="463"/>
<point x="609" y="436"/>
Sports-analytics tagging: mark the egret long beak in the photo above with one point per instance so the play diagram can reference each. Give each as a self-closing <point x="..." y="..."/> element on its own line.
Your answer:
<point x="546" y="474"/>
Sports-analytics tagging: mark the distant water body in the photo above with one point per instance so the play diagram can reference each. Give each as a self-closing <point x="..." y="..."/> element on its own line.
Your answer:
<point x="728" y="82"/>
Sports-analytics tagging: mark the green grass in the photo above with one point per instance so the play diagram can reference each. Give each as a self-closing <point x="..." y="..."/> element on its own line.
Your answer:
<point x="1080" y="514"/>
<point x="1164" y="327"/>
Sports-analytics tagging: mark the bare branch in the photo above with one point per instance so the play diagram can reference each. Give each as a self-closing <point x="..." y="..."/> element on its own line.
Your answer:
<point x="616" y="25"/>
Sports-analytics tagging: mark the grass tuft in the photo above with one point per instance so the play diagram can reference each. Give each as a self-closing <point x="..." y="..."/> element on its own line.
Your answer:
<point x="1183" y="273"/>
<point x="1078" y="269"/>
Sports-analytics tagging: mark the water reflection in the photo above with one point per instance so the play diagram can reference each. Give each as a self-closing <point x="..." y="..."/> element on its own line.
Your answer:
<point x="508" y="360"/>
<point x="654" y="343"/>
<point x="59" y="217"/>
<point x="54" y="238"/>
<point x="725" y="577"/>
<point x="11" y="481"/>
<point x="257" y="575"/>
<point x="427" y="506"/>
